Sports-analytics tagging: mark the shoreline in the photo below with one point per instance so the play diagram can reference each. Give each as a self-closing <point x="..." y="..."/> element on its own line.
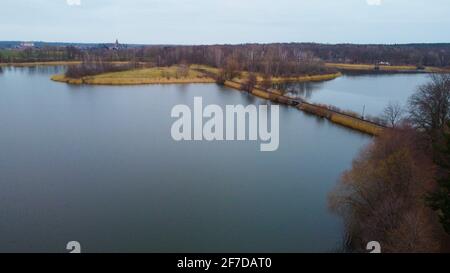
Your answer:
<point x="341" y="66"/>
<point x="125" y="82"/>
<point x="119" y="82"/>
<point x="308" y="78"/>
<point x="386" y="68"/>
<point x="342" y="119"/>
<point x="55" y="63"/>
<point x="134" y="77"/>
<point x="31" y="64"/>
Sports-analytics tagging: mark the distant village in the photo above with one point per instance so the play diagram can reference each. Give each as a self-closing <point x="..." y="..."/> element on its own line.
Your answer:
<point x="30" y="45"/>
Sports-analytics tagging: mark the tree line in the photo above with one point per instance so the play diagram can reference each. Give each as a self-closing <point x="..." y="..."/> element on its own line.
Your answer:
<point x="408" y="54"/>
<point x="284" y="59"/>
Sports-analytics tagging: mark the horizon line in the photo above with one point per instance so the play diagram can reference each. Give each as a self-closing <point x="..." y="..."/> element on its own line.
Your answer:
<point x="242" y="43"/>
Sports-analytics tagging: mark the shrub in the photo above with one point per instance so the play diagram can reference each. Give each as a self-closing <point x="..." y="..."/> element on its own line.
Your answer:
<point x="95" y="68"/>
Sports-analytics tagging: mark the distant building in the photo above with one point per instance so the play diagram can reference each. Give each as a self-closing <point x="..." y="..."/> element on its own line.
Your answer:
<point x="114" y="46"/>
<point x="117" y="45"/>
<point x="384" y="63"/>
<point x="26" y="44"/>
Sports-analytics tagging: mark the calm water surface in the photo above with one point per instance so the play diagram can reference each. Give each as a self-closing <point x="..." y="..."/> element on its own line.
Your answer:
<point x="97" y="164"/>
<point x="354" y="92"/>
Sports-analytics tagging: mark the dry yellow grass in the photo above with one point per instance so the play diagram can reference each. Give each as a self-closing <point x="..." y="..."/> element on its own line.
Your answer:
<point x="256" y="91"/>
<point x="302" y="78"/>
<point x="351" y="66"/>
<point x="244" y="75"/>
<point x="312" y="109"/>
<point x="357" y="124"/>
<point x="262" y="94"/>
<point x="233" y="85"/>
<point x="205" y="68"/>
<point x="157" y="75"/>
<point x="62" y="78"/>
<point x="344" y="120"/>
<point x="399" y="67"/>
<point x="437" y="70"/>
<point x="312" y="78"/>
<point x="391" y="68"/>
<point x="372" y="67"/>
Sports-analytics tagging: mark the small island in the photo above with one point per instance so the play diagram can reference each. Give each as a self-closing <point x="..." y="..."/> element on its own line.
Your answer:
<point x="177" y="74"/>
<point x="155" y="75"/>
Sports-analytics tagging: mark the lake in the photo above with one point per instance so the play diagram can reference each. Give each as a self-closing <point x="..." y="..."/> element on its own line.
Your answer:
<point x="97" y="164"/>
<point x="368" y="92"/>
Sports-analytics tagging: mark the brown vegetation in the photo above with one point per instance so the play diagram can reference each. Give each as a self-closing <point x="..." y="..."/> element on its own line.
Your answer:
<point x="430" y="113"/>
<point x="155" y="75"/>
<point x="430" y="105"/>
<point x="90" y="68"/>
<point x="392" y="187"/>
<point x="264" y="58"/>
<point x="393" y="114"/>
<point x="249" y="83"/>
<point x="381" y="197"/>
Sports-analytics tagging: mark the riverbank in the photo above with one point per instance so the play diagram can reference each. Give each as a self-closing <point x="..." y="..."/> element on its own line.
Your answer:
<point x="244" y="75"/>
<point x="386" y="68"/>
<point x="342" y="119"/>
<point x="308" y="78"/>
<point x="355" y="123"/>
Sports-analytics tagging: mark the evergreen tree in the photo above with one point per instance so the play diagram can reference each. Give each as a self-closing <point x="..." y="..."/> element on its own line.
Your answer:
<point x="440" y="200"/>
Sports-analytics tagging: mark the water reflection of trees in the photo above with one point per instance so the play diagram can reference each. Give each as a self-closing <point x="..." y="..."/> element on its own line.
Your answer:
<point x="42" y="69"/>
<point x="32" y="70"/>
<point x="302" y="90"/>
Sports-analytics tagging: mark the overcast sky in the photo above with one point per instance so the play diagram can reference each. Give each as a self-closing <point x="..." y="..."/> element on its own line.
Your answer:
<point x="226" y="21"/>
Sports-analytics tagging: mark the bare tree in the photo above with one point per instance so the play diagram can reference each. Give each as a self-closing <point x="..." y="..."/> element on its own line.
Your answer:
<point x="393" y="114"/>
<point x="249" y="83"/>
<point x="182" y="71"/>
<point x="429" y="107"/>
<point x="381" y="197"/>
<point x="231" y="69"/>
<point x="267" y="81"/>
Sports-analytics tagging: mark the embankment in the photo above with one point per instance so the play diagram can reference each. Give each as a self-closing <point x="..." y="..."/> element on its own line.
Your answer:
<point x="343" y="119"/>
<point x="348" y="121"/>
